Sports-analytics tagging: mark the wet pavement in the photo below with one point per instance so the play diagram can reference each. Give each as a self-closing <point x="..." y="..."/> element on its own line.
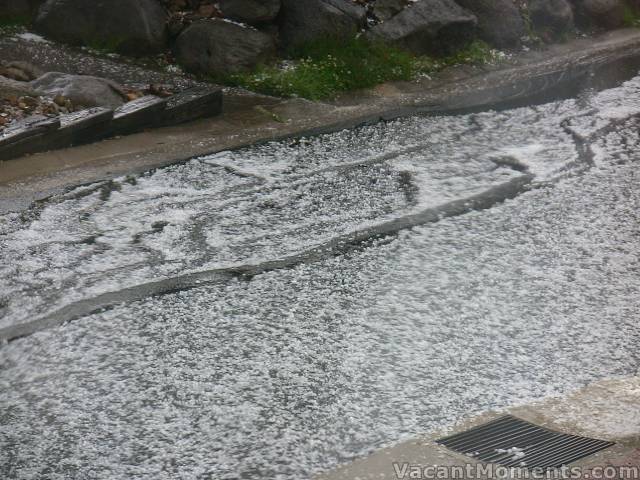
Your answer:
<point x="311" y="324"/>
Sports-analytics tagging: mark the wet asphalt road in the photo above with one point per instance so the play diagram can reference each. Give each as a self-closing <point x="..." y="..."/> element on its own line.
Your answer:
<point x="287" y="372"/>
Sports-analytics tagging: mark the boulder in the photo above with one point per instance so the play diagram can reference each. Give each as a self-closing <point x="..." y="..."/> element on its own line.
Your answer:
<point x="19" y="70"/>
<point x="135" y="27"/>
<point x="253" y="12"/>
<point x="219" y="47"/>
<point x="600" y="13"/>
<point x="82" y="90"/>
<point x="551" y="17"/>
<point x="303" y="21"/>
<point x="428" y="27"/>
<point x="385" y="9"/>
<point x="10" y="88"/>
<point x="499" y="21"/>
<point x="21" y="11"/>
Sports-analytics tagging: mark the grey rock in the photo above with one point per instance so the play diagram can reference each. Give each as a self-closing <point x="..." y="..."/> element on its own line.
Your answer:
<point x="135" y="27"/>
<point x="385" y="9"/>
<point x="13" y="88"/>
<point x="218" y="47"/>
<point x="250" y="11"/>
<point x="551" y="16"/>
<point x="428" y="27"/>
<point x="303" y="21"/>
<point x="82" y="90"/>
<point x="499" y="21"/>
<point x="600" y="13"/>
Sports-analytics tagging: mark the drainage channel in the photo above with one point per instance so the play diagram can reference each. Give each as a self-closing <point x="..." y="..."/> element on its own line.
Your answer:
<point x="339" y="349"/>
<point x="368" y="191"/>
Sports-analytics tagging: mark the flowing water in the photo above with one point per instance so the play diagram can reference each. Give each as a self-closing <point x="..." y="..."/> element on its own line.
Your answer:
<point x="275" y="311"/>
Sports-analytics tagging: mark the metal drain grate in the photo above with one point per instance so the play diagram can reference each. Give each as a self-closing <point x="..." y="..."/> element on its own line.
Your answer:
<point x="512" y="442"/>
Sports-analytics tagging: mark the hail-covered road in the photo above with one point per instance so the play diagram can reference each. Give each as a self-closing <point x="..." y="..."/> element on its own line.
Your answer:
<point x="275" y="311"/>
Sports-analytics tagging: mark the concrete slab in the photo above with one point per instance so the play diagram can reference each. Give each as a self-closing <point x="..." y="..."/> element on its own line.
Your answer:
<point x="608" y="410"/>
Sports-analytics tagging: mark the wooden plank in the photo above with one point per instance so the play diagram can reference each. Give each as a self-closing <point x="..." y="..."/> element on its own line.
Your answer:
<point x="39" y="133"/>
<point x="144" y="112"/>
<point x="87" y="125"/>
<point x="84" y="126"/>
<point x="29" y="127"/>
<point x="192" y="104"/>
<point x="76" y="128"/>
<point x="21" y="147"/>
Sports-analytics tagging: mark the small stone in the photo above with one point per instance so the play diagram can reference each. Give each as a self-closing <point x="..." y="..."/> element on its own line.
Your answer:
<point x="14" y="74"/>
<point x="29" y="101"/>
<point x="27" y="70"/>
<point x="133" y="95"/>
<point x="159" y="90"/>
<point x="51" y="109"/>
<point x="207" y="11"/>
<point x="60" y="100"/>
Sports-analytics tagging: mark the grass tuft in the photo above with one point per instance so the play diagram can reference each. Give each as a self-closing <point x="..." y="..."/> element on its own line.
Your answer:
<point x="631" y="16"/>
<point x="324" y="69"/>
<point x="476" y="53"/>
<point x="15" y="21"/>
<point x="105" y="45"/>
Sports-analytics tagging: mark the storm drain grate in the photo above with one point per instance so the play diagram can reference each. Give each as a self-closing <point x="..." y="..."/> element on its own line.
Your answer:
<point x="512" y="442"/>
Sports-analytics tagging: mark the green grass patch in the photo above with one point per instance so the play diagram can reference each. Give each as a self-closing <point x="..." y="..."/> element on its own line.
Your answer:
<point x="631" y="16"/>
<point x="323" y="69"/>
<point x="14" y="24"/>
<point x="15" y="21"/>
<point x="105" y="45"/>
<point x="476" y="53"/>
<point x="533" y="36"/>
